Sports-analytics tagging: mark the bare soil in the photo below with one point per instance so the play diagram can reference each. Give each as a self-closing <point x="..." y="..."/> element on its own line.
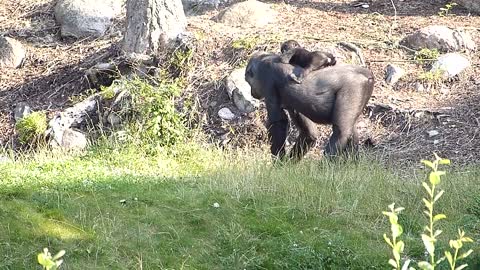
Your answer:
<point x="398" y="118"/>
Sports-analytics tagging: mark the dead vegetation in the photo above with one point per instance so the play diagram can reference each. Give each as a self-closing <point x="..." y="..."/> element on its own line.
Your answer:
<point x="398" y="119"/>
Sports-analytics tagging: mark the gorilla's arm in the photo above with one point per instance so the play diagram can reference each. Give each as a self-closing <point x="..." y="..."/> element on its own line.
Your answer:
<point x="277" y="123"/>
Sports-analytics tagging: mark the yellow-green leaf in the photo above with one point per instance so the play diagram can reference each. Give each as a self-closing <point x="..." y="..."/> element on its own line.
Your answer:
<point x="425" y="265"/>
<point x="427" y="204"/>
<point x="389" y="242"/>
<point x="439" y="194"/>
<point x="434" y="178"/>
<point x="427" y="188"/>
<point x="392" y="263"/>
<point x="428" y="243"/>
<point x="439" y="217"/>
<point x="466" y="254"/>
<point x="444" y="161"/>
<point x="449" y="257"/>
<point x="397" y="230"/>
<point x="427" y="162"/>
<point x="461" y="267"/>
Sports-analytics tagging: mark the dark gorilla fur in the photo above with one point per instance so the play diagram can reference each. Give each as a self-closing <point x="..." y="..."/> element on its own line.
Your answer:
<point x="335" y="96"/>
<point x="294" y="54"/>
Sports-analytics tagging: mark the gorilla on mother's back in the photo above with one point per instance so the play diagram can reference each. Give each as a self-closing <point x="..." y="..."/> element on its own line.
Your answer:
<point x="333" y="95"/>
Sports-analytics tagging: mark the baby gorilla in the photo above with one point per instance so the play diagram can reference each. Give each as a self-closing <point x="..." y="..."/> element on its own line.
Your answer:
<point x="295" y="55"/>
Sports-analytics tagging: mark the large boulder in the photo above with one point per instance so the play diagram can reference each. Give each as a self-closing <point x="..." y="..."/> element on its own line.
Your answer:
<point x="84" y="18"/>
<point x="250" y="13"/>
<point x="12" y="53"/>
<point x="239" y="91"/>
<point x="472" y="5"/>
<point x="439" y="37"/>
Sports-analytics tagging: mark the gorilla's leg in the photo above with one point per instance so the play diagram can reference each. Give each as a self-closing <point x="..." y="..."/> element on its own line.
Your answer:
<point x="307" y="137"/>
<point x="344" y="119"/>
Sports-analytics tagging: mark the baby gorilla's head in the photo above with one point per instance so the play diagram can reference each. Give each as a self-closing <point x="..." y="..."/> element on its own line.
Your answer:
<point x="289" y="45"/>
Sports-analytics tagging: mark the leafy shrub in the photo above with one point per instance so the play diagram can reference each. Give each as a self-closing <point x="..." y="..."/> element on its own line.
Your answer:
<point x="32" y="127"/>
<point x="430" y="237"/>
<point x="155" y="119"/>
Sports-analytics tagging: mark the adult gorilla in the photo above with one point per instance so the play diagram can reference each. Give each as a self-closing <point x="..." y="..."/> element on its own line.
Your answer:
<point x="333" y="95"/>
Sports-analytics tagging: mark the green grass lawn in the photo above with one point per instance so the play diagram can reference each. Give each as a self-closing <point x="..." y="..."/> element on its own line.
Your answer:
<point x="112" y="209"/>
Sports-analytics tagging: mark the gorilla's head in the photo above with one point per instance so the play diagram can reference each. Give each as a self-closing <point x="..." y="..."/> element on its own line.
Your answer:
<point x="253" y="72"/>
<point x="289" y="45"/>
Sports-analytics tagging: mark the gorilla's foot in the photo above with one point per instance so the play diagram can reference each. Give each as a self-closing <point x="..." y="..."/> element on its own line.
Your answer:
<point x="295" y="78"/>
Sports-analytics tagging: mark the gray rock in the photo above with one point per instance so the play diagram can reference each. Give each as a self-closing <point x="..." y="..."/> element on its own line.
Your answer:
<point x="12" y="53"/>
<point x="188" y="4"/>
<point x="239" y="91"/>
<point x="439" y="37"/>
<point x="250" y="13"/>
<point x="21" y="110"/>
<point x="84" y="18"/>
<point x="226" y="114"/>
<point x="113" y="119"/>
<point x="70" y="140"/>
<point x="472" y="5"/>
<point x="393" y="74"/>
<point x="451" y="63"/>
<point x="419" y="87"/>
<point x="432" y="133"/>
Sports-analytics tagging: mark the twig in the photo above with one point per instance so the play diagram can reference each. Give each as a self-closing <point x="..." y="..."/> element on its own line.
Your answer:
<point x="394" y="23"/>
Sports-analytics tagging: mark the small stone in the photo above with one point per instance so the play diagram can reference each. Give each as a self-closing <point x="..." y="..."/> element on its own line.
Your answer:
<point x="419" y="87"/>
<point x="12" y="53"/>
<point x="393" y="74"/>
<point x="365" y="5"/>
<point x="216" y="205"/>
<point x="226" y="114"/>
<point x="21" y="110"/>
<point x="123" y="201"/>
<point x="436" y="141"/>
<point x="432" y="133"/>
<point x="114" y="120"/>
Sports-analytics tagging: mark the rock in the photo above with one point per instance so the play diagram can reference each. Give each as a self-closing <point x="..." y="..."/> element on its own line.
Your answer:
<point x="472" y="5"/>
<point x="84" y="18"/>
<point x="451" y="63"/>
<point x="113" y="119"/>
<point x="4" y="159"/>
<point x="12" y="53"/>
<point x="21" y="110"/>
<point x="419" y="87"/>
<point x="189" y="4"/>
<point x="439" y="37"/>
<point x="70" y="140"/>
<point x="239" y="91"/>
<point x="393" y="74"/>
<point x="432" y="133"/>
<point x="226" y="114"/>
<point x="250" y="13"/>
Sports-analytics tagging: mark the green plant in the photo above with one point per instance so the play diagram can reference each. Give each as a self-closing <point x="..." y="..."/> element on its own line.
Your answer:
<point x="31" y="128"/>
<point x="156" y="119"/>
<point x="431" y="236"/>
<point x="181" y="61"/>
<point x="247" y="43"/>
<point x="444" y="11"/>
<point x="432" y="76"/>
<point x="426" y="55"/>
<point x="397" y="230"/>
<point x="48" y="262"/>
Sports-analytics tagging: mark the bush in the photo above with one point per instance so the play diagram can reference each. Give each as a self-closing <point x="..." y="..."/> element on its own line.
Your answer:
<point x="154" y="117"/>
<point x="32" y="127"/>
